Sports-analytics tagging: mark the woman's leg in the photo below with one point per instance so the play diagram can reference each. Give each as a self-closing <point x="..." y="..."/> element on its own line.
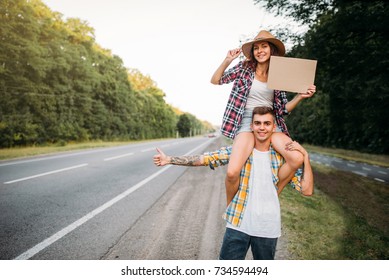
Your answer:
<point x="293" y="159"/>
<point x="241" y="149"/>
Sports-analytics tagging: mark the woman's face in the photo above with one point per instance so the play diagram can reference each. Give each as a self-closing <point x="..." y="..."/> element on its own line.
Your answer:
<point x="261" y="52"/>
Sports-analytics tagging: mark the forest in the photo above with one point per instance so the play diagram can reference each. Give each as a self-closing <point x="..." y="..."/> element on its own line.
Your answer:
<point x="58" y="85"/>
<point x="350" y="41"/>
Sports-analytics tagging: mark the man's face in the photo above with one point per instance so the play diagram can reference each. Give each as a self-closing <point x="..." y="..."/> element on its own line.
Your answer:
<point x="263" y="127"/>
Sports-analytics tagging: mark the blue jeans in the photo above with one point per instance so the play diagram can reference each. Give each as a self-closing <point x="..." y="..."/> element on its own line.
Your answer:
<point x="236" y="244"/>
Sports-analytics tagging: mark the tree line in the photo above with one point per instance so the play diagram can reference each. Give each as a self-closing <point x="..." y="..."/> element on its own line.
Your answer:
<point x="58" y="85"/>
<point x="350" y="41"/>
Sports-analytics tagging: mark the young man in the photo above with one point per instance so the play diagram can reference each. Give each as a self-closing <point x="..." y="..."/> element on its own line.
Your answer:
<point x="253" y="217"/>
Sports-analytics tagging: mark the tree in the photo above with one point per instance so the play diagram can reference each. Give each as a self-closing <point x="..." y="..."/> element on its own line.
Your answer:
<point x="57" y="84"/>
<point x="350" y="40"/>
<point x="184" y="125"/>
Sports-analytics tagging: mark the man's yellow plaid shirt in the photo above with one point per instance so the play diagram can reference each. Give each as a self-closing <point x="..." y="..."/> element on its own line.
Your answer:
<point x="235" y="210"/>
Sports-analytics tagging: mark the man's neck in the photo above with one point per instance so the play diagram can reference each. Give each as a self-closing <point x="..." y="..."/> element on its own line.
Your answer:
<point x="262" y="146"/>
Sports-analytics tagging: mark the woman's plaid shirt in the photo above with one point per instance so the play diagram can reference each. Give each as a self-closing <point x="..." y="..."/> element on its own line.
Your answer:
<point x="235" y="210"/>
<point x="243" y="77"/>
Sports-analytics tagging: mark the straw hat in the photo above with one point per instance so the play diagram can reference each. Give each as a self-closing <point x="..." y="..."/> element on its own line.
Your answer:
<point x="266" y="36"/>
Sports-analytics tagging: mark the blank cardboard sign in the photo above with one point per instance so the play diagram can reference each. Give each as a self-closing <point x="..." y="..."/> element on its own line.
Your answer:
<point x="291" y="74"/>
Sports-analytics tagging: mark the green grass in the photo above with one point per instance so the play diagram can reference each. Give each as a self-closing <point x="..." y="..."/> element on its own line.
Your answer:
<point x="346" y="218"/>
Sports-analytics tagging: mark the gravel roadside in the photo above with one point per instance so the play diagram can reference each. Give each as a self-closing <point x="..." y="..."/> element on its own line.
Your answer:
<point x="185" y="223"/>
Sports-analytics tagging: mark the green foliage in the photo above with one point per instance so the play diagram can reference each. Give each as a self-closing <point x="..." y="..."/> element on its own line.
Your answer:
<point x="184" y="125"/>
<point x="304" y="11"/>
<point x="350" y="40"/>
<point x="188" y="125"/>
<point x="58" y="85"/>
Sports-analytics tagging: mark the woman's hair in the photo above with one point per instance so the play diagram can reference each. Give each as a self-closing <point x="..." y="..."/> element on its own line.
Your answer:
<point x="252" y="62"/>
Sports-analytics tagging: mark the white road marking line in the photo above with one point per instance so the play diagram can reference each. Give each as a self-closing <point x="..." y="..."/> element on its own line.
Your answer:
<point x="50" y="157"/>
<point x="46" y="173"/>
<point x="366" y="168"/>
<point x="40" y="159"/>
<point x="120" y="156"/>
<point x="351" y="165"/>
<point x="148" y="150"/>
<point x="359" y="173"/>
<point x="379" y="180"/>
<point x="50" y="240"/>
<point x="47" y="242"/>
<point x="382" y="172"/>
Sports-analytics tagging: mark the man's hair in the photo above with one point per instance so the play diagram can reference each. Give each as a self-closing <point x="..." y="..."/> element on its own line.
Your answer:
<point x="263" y="111"/>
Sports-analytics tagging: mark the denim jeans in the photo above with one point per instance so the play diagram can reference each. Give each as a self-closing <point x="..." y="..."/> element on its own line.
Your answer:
<point x="236" y="244"/>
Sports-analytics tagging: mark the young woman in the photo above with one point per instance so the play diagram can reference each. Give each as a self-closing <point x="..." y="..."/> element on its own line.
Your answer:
<point x="249" y="91"/>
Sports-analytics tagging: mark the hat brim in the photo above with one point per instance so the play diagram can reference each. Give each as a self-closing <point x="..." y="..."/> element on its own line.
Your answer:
<point x="246" y="47"/>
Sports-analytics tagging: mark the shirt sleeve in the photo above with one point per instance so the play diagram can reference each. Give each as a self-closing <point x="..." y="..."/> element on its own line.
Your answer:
<point x="231" y="74"/>
<point x="295" y="182"/>
<point x="217" y="158"/>
<point x="280" y="101"/>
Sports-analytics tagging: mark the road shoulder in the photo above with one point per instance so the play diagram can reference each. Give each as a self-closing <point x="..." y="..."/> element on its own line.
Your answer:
<point x="185" y="223"/>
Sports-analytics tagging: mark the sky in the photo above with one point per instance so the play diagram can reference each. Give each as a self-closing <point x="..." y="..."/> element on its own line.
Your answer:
<point x="178" y="43"/>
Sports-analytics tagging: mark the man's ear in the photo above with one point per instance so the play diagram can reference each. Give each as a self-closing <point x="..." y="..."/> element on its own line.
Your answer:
<point x="274" y="127"/>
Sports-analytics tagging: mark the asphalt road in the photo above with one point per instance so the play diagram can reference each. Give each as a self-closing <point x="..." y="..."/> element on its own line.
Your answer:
<point x="380" y="174"/>
<point x="106" y="203"/>
<point x="77" y="205"/>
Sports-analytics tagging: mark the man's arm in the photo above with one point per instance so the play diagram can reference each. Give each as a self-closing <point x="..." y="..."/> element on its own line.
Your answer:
<point x="161" y="159"/>
<point x="307" y="177"/>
